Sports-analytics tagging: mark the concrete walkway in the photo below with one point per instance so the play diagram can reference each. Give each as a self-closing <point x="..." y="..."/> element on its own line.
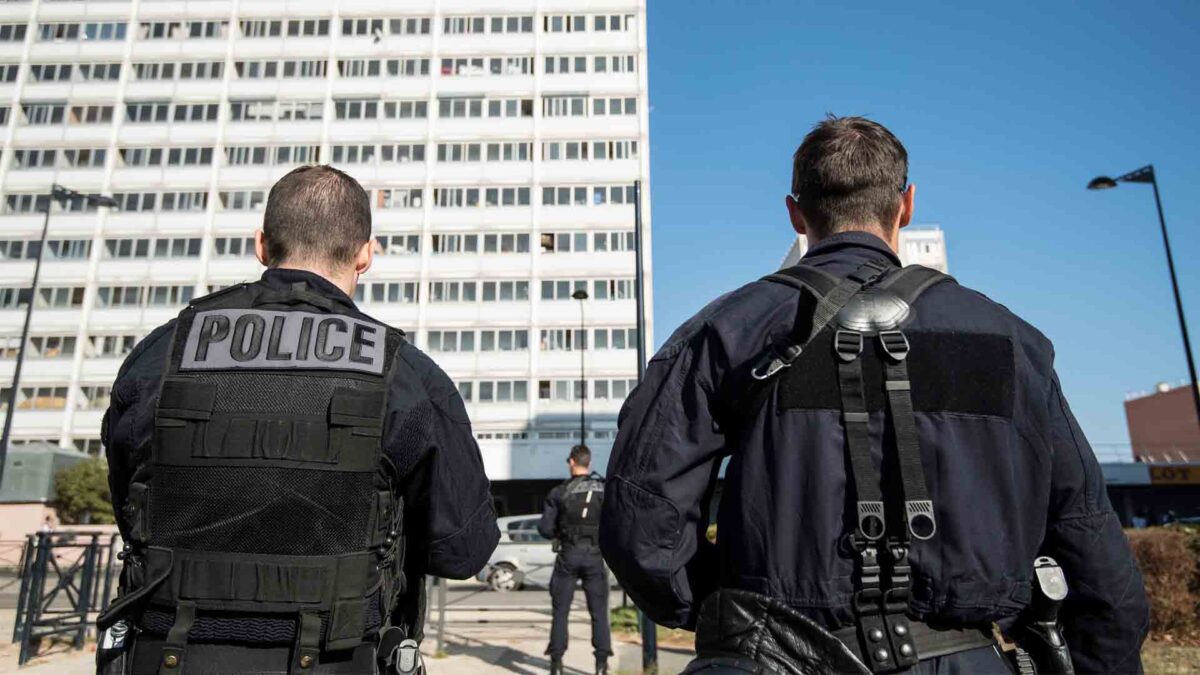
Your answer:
<point x="473" y="644"/>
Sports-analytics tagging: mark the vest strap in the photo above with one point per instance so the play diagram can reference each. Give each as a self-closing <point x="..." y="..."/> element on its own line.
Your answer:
<point x="175" y="646"/>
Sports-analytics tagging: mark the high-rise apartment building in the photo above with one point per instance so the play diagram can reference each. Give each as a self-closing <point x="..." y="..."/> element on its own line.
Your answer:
<point x="918" y="246"/>
<point x="499" y="141"/>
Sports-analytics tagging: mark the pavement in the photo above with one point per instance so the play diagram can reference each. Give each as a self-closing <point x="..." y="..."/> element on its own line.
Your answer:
<point x="484" y="632"/>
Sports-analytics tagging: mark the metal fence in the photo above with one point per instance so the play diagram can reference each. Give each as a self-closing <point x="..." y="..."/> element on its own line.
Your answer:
<point x="65" y="576"/>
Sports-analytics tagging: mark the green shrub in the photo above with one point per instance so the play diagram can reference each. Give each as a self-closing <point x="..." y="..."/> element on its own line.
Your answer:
<point x="82" y="494"/>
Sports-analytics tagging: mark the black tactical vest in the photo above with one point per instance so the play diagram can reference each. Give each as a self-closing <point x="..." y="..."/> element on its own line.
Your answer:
<point x="579" y="519"/>
<point x="266" y="512"/>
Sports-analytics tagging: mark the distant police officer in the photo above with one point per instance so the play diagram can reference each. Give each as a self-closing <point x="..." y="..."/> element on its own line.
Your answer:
<point x="900" y="454"/>
<point x="284" y="468"/>
<point x="571" y="518"/>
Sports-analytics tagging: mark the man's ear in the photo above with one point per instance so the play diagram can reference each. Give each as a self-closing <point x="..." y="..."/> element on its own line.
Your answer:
<point x="796" y="216"/>
<point x="906" y="206"/>
<point x="260" y="248"/>
<point x="364" y="257"/>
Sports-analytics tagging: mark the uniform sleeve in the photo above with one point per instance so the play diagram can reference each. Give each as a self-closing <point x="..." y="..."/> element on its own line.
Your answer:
<point x="548" y="525"/>
<point x="661" y="474"/>
<point x="450" y="522"/>
<point x="1105" y="615"/>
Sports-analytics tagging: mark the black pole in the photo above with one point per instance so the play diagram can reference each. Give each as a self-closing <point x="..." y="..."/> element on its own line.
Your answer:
<point x="582" y="377"/>
<point x="1187" y="343"/>
<point x="648" y="629"/>
<point x="16" y="381"/>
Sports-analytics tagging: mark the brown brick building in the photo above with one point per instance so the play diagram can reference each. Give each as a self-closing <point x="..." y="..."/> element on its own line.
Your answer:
<point x="1163" y="426"/>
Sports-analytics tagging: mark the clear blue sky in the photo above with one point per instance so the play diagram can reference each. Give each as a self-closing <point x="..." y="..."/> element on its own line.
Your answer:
<point x="1007" y="110"/>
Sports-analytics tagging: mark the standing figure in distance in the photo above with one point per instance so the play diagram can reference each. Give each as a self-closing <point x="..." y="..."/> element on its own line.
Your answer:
<point x="571" y="519"/>
<point x="900" y="453"/>
<point x="285" y="468"/>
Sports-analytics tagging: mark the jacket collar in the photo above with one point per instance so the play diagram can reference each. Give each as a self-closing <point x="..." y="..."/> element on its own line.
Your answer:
<point x="863" y="241"/>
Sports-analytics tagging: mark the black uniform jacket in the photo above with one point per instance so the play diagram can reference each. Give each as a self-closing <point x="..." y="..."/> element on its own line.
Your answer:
<point x="1005" y="490"/>
<point x="449" y="520"/>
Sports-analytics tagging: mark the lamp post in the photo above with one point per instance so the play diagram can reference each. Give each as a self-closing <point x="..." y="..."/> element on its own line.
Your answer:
<point x="61" y="195"/>
<point x="581" y="343"/>
<point x="1146" y="175"/>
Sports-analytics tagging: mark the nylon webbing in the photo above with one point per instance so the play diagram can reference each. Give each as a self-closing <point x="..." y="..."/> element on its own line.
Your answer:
<point x="918" y="509"/>
<point x="868" y="496"/>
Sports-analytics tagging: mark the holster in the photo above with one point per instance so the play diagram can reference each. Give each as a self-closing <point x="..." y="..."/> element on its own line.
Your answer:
<point x="736" y="623"/>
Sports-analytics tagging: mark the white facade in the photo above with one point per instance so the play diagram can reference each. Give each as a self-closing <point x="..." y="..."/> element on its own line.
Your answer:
<point x="499" y="140"/>
<point x="918" y="246"/>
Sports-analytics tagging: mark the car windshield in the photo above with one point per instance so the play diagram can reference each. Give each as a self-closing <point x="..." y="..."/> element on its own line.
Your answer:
<point x="524" y="530"/>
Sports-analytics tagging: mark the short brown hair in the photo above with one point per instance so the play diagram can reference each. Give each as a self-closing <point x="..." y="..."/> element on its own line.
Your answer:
<point x="581" y="455"/>
<point x="316" y="214"/>
<point x="848" y="175"/>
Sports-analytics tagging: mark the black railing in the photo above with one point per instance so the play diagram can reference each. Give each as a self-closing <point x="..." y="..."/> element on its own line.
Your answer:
<point x="65" y="577"/>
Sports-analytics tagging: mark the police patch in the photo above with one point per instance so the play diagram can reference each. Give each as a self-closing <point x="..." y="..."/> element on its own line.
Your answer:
<point x="223" y="339"/>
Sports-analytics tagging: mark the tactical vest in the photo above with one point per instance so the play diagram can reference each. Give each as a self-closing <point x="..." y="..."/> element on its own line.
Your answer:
<point x="579" y="519"/>
<point x="848" y="350"/>
<point x="265" y="511"/>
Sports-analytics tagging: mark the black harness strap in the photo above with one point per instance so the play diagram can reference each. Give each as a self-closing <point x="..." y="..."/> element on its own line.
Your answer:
<point x="175" y="645"/>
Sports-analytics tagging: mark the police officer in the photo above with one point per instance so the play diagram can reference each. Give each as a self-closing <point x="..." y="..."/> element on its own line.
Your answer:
<point x="570" y="518"/>
<point x="284" y="468"/>
<point x="899" y="449"/>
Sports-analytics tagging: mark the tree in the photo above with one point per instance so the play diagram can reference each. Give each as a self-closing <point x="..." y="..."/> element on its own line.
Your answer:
<point x="82" y="494"/>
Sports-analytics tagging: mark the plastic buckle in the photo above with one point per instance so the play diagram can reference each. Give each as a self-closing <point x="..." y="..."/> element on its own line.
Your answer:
<point x="919" y="516"/>
<point x="847" y="344"/>
<point x="895" y="344"/>
<point x="870" y="520"/>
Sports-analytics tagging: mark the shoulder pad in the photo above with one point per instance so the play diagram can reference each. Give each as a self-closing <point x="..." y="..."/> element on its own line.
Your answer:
<point x="218" y="294"/>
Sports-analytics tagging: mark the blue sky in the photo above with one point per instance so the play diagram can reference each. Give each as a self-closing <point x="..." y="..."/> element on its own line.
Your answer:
<point x="1007" y="110"/>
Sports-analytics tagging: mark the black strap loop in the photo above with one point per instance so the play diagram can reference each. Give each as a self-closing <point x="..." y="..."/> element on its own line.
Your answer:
<point x="175" y="645"/>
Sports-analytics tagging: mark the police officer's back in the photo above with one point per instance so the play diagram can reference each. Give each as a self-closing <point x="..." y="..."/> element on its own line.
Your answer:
<point x="571" y="519"/>
<point x="278" y="462"/>
<point x="900" y="453"/>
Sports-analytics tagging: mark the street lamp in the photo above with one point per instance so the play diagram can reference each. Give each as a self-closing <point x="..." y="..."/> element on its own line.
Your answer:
<point x="582" y="295"/>
<point x="1146" y="175"/>
<point x="61" y="195"/>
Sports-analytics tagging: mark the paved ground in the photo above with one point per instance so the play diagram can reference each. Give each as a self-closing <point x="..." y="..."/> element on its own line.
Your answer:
<point x="485" y="632"/>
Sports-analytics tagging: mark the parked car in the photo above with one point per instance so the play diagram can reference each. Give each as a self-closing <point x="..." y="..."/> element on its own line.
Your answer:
<point x="523" y="558"/>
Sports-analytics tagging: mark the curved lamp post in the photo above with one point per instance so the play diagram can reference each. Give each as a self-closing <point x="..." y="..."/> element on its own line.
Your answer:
<point x="1146" y="175"/>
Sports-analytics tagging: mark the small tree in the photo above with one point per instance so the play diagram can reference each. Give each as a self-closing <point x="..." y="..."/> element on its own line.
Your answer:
<point x="82" y="494"/>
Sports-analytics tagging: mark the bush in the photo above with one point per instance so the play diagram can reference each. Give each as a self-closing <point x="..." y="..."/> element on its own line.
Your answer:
<point x="82" y="494"/>
<point x="1169" y="558"/>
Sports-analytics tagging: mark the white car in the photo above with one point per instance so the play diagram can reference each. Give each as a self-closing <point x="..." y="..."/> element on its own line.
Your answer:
<point x="523" y="558"/>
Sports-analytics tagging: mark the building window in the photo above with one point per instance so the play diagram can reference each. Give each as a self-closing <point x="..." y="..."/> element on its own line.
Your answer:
<point x="50" y="72"/>
<point x="95" y="397"/>
<point x="564" y="24"/>
<point x="147" y="112"/>
<point x="505" y="243"/>
<point x="398" y="198"/>
<point x="450" y="341"/>
<point x="242" y="200"/>
<point x="100" y="71"/>
<point x="564" y="106"/>
<point x="614" y="106"/>
<point x="452" y="291"/>
<point x="390" y="292"/>
<point x="271" y="110"/>
<point x="182" y="30"/>
<point x="470" y="197"/>
<point x="377" y="67"/>
<point x="18" y="203"/>
<point x="233" y="247"/>
<point x="43" y="113"/>
<point x="12" y="32"/>
<point x="503" y="340"/>
<point x="45" y="397"/>
<point x="62" y="297"/>
<point x="85" y="158"/>
<point x="110" y="346"/>
<point x="186" y="70"/>
<point x="34" y="159"/>
<point x="39" y="347"/>
<point x="55" y="32"/>
<point x="56" y="249"/>
<point x="397" y="244"/>
<point x="90" y="114"/>
<point x="502" y="391"/>
<point x="139" y="296"/>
